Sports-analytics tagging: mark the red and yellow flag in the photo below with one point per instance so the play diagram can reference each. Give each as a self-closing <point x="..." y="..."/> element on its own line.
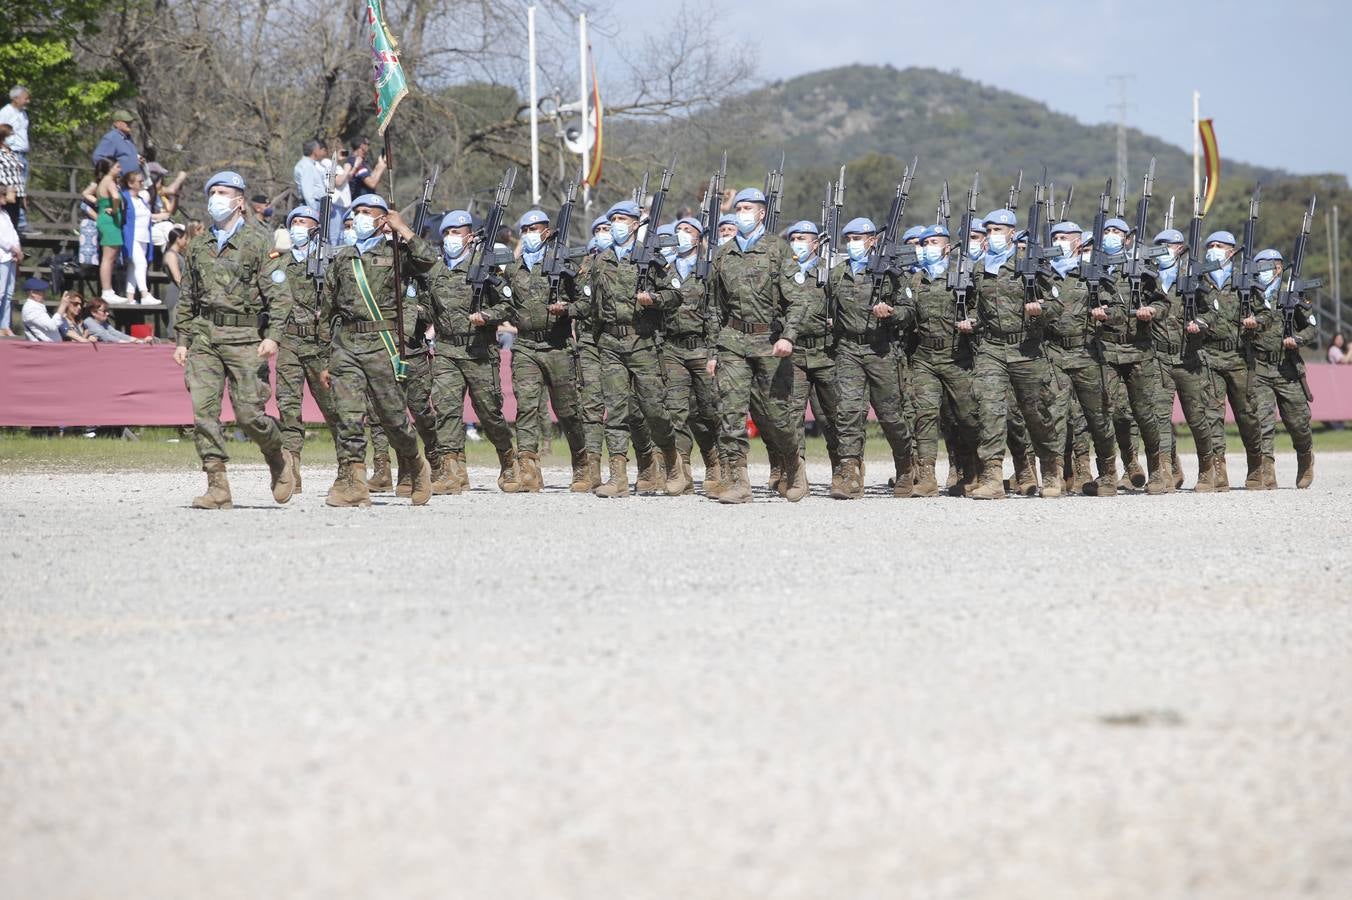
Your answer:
<point x="594" y="175"/>
<point x="1212" y="158"/>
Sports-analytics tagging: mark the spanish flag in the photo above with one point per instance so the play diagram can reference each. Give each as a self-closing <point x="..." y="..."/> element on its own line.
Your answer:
<point x="594" y="176"/>
<point x="1212" y="157"/>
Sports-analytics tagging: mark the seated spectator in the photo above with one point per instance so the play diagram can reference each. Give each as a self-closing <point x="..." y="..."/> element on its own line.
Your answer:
<point x="71" y="315"/>
<point x="100" y="327"/>
<point x="11" y="254"/>
<point x="1338" y="354"/>
<point x="38" y="324"/>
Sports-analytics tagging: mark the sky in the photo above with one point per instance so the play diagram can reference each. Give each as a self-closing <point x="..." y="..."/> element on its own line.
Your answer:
<point x="1272" y="74"/>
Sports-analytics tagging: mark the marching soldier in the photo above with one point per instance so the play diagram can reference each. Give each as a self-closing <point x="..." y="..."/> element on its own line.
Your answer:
<point x="365" y="361"/>
<point x="234" y="289"/>
<point x="466" y="361"/>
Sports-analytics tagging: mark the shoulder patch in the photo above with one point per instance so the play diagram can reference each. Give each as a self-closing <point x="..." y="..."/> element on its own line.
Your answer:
<point x="909" y="295"/>
<point x="506" y="291"/>
<point x="586" y="291"/>
<point x="278" y="276"/>
<point x="1056" y="292"/>
<point x="799" y="277"/>
<point x="1215" y="302"/>
<point x="676" y="283"/>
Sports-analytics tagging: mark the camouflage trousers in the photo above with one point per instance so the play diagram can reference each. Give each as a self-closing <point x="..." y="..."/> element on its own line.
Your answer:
<point x="941" y="379"/>
<point x="539" y="376"/>
<point x="692" y="399"/>
<point x="209" y="368"/>
<point x="869" y="374"/>
<point x="1231" y="379"/>
<point x="1126" y="432"/>
<point x="593" y="404"/>
<point x="452" y="378"/>
<point x="421" y="403"/>
<point x="1143" y="384"/>
<point x="1028" y="383"/>
<point x="814" y="376"/>
<point x="632" y="378"/>
<point x="1191" y="381"/>
<point x="761" y="385"/>
<point x="362" y="375"/>
<point x="1277" y="390"/>
<point x="298" y="364"/>
<point x="1079" y="387"/>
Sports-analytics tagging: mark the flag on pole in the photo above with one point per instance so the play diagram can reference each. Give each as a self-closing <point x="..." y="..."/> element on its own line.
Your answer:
<point x="1213" y="162"/>
<point x="386" y="72"/>
<point x="594" y="175"/>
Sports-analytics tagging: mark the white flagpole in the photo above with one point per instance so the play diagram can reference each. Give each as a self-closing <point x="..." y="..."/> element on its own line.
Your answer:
<point x="1196" y="143"/>
<point x="586" y="100"/>
<point x="534" y="113"/>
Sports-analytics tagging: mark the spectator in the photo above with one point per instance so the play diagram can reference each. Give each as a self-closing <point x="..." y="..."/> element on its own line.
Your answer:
<point x="107" y="200"/>
<point x="13" y="190"/>
<point x="174" y="248"/>
<point x="117" y="144"/>
<point x="364" y="178"/>
<point x="38" y="324"/>
<point x="1338" y="354"/>
<point x="309" y="172"/>
<point x="15" y="115"/>
<point x="262" y="209"/>
<point x="136" y="235"/>
<point x="101" y="328"/>
<point x="70" y="318"/>
<point x="11" y="254"/>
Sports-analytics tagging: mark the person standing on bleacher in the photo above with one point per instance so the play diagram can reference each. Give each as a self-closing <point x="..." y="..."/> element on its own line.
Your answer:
<point x="15" y="115"/>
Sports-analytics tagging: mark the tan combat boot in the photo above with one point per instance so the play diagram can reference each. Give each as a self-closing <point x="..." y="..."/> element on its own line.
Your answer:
<point x="1081" y="475"/>
<point x="954" y="470"/>
<point x="579" y="483"/>
<point x="443" y="476"/>
<point x="795" y="479"/>
<point x="1133" y="476"/>
<point x="507" y="482"/>
<point x="1025" y="475"/>
<point x="419" y="478"/>
<point x="618" y="485"/>
<point x="689" y="475"/>
<point x="1106" y="483"/>
<point x="991" y="484"/>
<point x="1161" y="476"/>
<point x="647" y="481"/>
<point x="380" y="475"/>
<point x="403" y="486"/>
<point x="1304" y="468"/>
<point x="1221" y="478"/>
<point x="736" y="486"/>
<point x="281" y="470"/>
<point x="1206" y="475"/>
<point x="218" y="488"/>
<point x="776" y="482"/>
<point x="350" y="488"/>
<point x="593" y="470"/>
<point x="1053" y="485"/>
<point x="1176" y="467"/>
<point x="295" y="470"/>
<point x="971" y="475"/>
<point x="711" y="470"/>
<point x="1269" y="473"/>
<point x="677" y="483"/>
<point x="925" y="483"/>
<point x="528" y="472"/>
<point x="851" y="480"/>
<point x="903" y="484"/>
<point x="1253" y="478"/>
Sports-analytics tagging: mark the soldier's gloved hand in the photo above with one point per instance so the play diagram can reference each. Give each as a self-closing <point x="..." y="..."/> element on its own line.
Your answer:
<point x="1250" y="323"/>
<point x="267" y="348"/>
<point x="1100" y="313"/>
<point x="1035" y="309"/>
<point x="711" y="366"/>
<point x="783" y="348"/>
<point x="882" y="311"/>
<point x="1145" y="313"/>
<point x="181" y="355"/>
<point x="477" y="320"/>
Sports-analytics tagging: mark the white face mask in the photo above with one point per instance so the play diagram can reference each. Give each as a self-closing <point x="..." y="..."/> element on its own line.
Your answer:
<point x="1216" y="254"/>
<point x="684" y="241"/>
<point x="221" y="208"/>
<point x="724" y="240"/>
<point x="932" y="253"/>
<point x="747" y="220"/>
<point x="1166" y="261"/>
<point x="364" y="225"/>
<point x="858" y="250"/>
<point x="998" y="243"/>
<point x="300" y="235"/>
<point x="1265" y="278"/>
<point x="1065" y="248"/>
<point x="454" y="245"/>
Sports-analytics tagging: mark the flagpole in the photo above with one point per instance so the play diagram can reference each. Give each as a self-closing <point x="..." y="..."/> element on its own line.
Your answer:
<point x="534" y="110"/>
<point x="582" y="93"/>
<point x="1196" y="143"/>
<point x="398" y="282"/>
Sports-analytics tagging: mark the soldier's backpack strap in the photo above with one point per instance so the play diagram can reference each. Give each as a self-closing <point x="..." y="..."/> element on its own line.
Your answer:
<point x="373" y="311"/>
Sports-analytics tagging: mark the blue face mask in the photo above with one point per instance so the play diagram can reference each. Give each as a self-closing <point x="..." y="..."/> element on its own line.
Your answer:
<point x="364" y="225"/>
<point x="998" y="243"/>
<point x="619" y="232"/>
<point x="974" y="249"/>
<point x="669" y="254"/>
<point x="747" y="221"/>
<point x="858" y="251"/>
<point x="1265" y="278"/>
<point x="1216" y="254"/>
<point x="932" y="253"/>
<point x="1166" y="262"/>
<point x="1112" y="244"/>
<point x="300" y="235"/>
<point x="532" y="241"/>
<point x="801" y="250"/>
<point x="454" y="245"/>
<point x="603" y="240"/>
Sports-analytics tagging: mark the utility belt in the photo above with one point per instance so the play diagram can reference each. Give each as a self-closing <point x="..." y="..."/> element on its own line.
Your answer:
<point x="367" y="327"/>
<point x="1276" y="357"/>
<point x="815" y="342"/>
<point x="1109" y="337"/>
<point x="300" y="331"/>
<point x="544" y="336"/>
<point x="1167" y="348"/>
<point x="624" y="331"/>
<point x="1222" y="346"/>
<point x="749" y="327"/>
<point x="875" y="338"/>
<point x="937" y="343"/>
<point x="1074" y="342"/>
<point x="1005" y="338"/>
<point x="686" y="341"/>
<point x="234" y="320"/>
<point x="457" y="340"/>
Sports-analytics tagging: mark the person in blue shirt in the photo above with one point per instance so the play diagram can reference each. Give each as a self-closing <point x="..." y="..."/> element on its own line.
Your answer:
<point x="117" y="144"/>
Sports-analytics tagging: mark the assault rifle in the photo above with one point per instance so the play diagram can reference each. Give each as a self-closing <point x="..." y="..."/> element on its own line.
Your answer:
<point x="559" y="256"/>
<point x="960" y="276"/>
<point x="1246" y="269"/>
<point x="833" y="210"/>
<point x="419" y="282"/>
<point x="1030" y="265"/>
<point x="774" y="193"/>
<point x="1168" y="216"/>
<point x="1066" y="203"/>
<point x="1190" y="280"/>
<point x="486" y="257"/>
<point x="650" y="248"/>
<point x="1012" y="201"/>
<point x="708" y="226"/>
<point x="1134" y="269"/>
<point x="889" y="255"/>
<point x="1292" y="297"/>
<point x="321" y="245"/>
<point x="1095" y="271"/>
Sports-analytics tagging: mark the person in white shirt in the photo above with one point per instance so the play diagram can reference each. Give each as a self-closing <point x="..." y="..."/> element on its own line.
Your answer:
<point x="15" y="116"/>
<point x="11" y="254"/>
<point x="38" y="324"/>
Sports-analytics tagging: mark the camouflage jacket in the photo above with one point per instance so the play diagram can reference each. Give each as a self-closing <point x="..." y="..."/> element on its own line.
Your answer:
<point x="808" y="317"/>
<point x="447" y="304"/>
<point x="935" y="315"/>
<point x="689" y="316"/>
<point x="343" y="305"/>
<point x="747" y="286"/>
<point x="1125" y="338"/>
<point x="852" y="300"/>
<point x="1220" y="320"/>
<point x="527" y="295"/>
<point x="614" y="306"/>
<point x="225" y="291"/>
<point x="999" y="309"/>
<point x="1268" y="337"/>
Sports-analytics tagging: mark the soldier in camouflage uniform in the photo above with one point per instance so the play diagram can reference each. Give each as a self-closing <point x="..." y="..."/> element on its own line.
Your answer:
<point x="303" y="352"/>
<point x="1011" y="360"/>
<point x="359" y="300"/>
<point x="689" y="331"/>
<point x="1277" y="383"/>
<point x="1219" y="323"/>
<point x="866" y="324"/>
<point x="814" y="371"/>
<point x="232" y="283"/>
<point x="941" y="366"/>
<point x="542" y="357"/>
<point x="466" y="360"/>
<point x="755" y="342"/>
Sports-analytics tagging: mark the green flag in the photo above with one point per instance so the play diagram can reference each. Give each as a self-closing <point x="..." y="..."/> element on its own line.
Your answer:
<point x="386" y="72"/>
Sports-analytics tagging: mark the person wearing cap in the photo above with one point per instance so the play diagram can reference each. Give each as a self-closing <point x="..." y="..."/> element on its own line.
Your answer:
<point x="303" y="349"/>
<point x="14" y="115"/>
<point x="234" y="291"/>
<point x="868" y="318"/>
<point x="689" y="330"/>
<point x="1277" y="382"/>
<point x="118" y="145"/>
<point x="1078" y="401"/>
<point x="941" y="368"/>
<point x="1010" y="363"/>
<point x="814" y="369"/>
<point x="727" y="228"/>
<point x="629" y="316"/>
<point x="466" y="360"/>
<point x="1218" y="321"/>
<point x="911" y="238"/>
<point x="755" y="342"/>
<point x="365" y="358"/>
<point x="40" y="326"/>
<point x="543" y="365"/>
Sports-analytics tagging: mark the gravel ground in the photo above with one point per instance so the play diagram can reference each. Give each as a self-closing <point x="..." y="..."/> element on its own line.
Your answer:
<point x="559" y="697"/>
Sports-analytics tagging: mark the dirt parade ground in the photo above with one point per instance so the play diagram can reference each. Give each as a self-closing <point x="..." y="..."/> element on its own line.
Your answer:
<point x="556" y="696"/>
